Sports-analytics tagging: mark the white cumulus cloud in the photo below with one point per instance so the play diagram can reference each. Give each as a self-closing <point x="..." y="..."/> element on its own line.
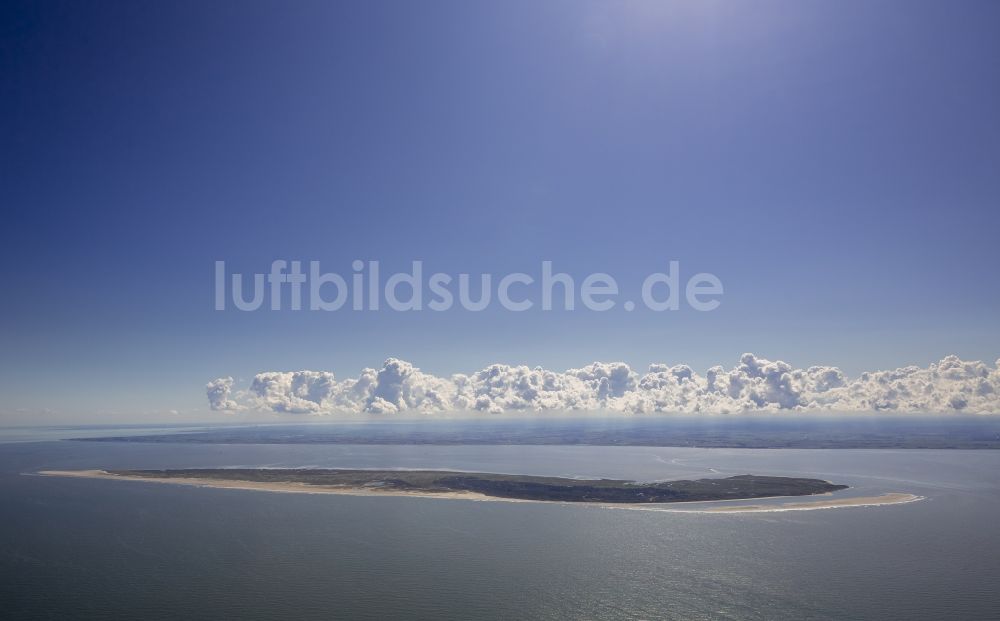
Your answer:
<point x="754" y="384"/>
<point x="218" y="392"/>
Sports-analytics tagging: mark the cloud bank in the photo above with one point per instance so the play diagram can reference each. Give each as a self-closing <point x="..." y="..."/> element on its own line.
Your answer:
<point x="753" y="385"/>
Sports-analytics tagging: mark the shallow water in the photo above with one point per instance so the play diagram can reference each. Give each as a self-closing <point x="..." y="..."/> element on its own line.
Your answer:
<point x="94" y="548"/>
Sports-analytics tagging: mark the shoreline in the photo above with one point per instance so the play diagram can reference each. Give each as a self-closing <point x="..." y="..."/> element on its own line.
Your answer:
<point x="889" y="498"/>
<point x="282" y="487"/>
<point x="289" y="487"/>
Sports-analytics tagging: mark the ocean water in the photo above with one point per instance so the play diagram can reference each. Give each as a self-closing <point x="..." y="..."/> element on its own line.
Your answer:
<point x="89" y="549"/>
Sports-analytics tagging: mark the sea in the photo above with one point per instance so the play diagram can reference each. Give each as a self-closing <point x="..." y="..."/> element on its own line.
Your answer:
<point x="100" y="549"/>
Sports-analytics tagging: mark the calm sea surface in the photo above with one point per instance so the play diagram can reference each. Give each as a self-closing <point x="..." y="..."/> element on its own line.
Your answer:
<point x="118" y="549"/>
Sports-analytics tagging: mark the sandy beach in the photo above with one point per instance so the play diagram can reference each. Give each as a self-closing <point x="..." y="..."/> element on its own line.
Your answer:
<point x="894" y="498"/>
<point x="284" y="487"/>
<point x="722" y="506"/>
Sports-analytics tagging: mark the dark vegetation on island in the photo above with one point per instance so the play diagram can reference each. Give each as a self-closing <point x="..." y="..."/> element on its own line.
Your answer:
<point x="521" y="487"/>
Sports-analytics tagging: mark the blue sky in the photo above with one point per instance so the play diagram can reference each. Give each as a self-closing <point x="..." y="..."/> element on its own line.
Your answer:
<point x="834" y="164"/>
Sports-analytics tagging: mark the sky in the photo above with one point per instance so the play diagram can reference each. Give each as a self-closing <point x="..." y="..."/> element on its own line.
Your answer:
<point x="834" y="164"/>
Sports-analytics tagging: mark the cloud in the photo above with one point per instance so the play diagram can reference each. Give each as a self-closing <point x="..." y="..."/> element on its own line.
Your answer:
<point x="754" y="384"/>
<point x="218" y="392"/>
<point x="298" y="392"/>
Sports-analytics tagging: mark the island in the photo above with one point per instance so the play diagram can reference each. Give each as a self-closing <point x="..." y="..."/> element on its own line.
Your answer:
<point x="478" y="485"/>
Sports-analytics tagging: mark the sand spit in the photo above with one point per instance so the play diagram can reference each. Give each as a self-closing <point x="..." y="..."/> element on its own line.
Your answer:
<point x="284" y="487"/>
<point x="894" y="498"/>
